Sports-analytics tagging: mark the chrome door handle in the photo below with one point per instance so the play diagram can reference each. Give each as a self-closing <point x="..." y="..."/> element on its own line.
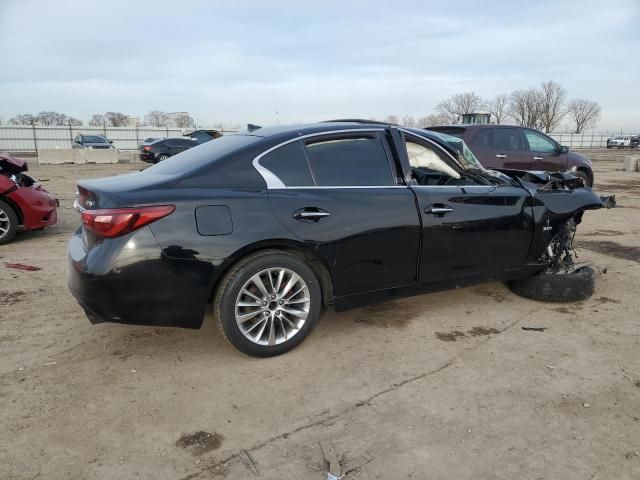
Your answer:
<point x="310" y="214"/>
<point x="438" y="210"/>
<point x="500" y="155"/>
<point x="537" y="158"/>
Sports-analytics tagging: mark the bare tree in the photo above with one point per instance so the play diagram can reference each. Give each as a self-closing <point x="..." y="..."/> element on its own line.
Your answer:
<point x="498" y="107"/>
<point x="583" y="113"/>
<point x="22" y="119"/>
<point x="457" y="105"/>
<point x="74" y="122"/>
<point x="156" y="118"/>
<point x="117" y="119"/>
<point x="184" y="121"/>
<point x="408" y="121"/>
<point x="432" y="120"/>
<point x="552" y="109"/>
<point x="392" y="119"/>
<point x="525" y="107"/>
<point x="51" y="118"/>
<point x="97" y="120"/>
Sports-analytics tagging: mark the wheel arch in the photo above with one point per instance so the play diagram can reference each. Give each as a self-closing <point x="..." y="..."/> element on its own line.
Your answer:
<point x="317" y="263"/>
<point x="16" y="208"/>
<point x="588" y="172"/>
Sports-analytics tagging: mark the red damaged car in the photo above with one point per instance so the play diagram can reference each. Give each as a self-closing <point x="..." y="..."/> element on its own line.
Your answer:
<point x="24" y="203"/>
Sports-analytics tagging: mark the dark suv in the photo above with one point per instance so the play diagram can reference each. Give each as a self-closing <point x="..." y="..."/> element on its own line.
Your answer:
<point x="509" y="146"/>
<point x="160" y="150"/>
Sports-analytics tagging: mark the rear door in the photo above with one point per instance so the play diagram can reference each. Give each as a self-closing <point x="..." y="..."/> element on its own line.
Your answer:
<point x="544" y="151"/>
<point x="471" y="229"/>
<point x="501" y="147"/>
<point x="341" y="195"/>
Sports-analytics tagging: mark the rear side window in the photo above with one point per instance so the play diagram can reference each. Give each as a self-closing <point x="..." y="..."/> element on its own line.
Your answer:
<point x="289" y="164"/>
<point x="484" y="138"/>
<point x="352" y="161"/>
<point x="508" y="139"/>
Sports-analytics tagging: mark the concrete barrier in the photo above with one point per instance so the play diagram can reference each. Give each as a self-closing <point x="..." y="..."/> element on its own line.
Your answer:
<point x="56" y="156"/>
<point x="92" y="155"/>
<point x="631" y="163"/>
<point x="128" y="157"/>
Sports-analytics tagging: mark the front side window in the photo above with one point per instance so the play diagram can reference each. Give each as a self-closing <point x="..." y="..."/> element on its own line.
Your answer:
<point x="349" y="161"/>
<point x="508" y="139"/>
<point x="428" y="163"/>
<point x="539" y="143"/>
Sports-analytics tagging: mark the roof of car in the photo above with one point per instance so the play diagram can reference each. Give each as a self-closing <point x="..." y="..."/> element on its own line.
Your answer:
<point x="475" y="125"/>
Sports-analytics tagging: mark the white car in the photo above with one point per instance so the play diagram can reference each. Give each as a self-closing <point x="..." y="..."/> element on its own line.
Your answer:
<point x="619" y="141"/>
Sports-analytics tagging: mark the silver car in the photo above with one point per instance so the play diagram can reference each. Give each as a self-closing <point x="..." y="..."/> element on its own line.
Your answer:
<point x="92" y="141"/>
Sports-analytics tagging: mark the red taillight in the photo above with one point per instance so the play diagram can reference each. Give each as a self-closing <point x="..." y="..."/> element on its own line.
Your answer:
<point x="115" y="222"/>
<point x="146" y="148"/>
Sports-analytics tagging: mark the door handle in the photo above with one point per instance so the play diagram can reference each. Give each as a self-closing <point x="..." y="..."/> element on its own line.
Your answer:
<point x="438" y="209"/>
<point x="500" y="155"/>
<point x="537" y="158"/>
<point x="310" y="214"/>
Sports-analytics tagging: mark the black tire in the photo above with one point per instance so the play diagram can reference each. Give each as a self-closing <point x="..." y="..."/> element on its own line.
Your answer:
<point x="584" y="176"/>
<point x="9" y="223"/>
<point x="162" y="157"/>
<point x="224" y="305"/>
<point x="556" y="287"/>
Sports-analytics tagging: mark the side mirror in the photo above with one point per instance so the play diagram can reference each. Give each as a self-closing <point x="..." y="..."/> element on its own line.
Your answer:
<point x="111" y="142"/>
<point x="564" y="149"/>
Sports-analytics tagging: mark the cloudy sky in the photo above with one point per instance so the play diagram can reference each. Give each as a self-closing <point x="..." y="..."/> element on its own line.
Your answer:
<point x="241" y="61"/>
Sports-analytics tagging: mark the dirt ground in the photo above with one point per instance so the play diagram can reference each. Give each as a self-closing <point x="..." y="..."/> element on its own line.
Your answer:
<point x="440" y="386"/>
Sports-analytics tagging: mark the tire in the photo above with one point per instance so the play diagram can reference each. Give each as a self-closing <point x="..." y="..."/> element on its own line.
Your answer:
<point x="584" y="176"/>
<point x="256" y="340"/>
<point x="556" y="287"/>
<point x="162" y="158"/>
<point x="8" y="223"/>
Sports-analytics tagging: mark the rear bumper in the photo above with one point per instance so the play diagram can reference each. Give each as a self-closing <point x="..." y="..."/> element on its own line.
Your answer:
<point x="147" y="157"/>
<point x="114" y="283"/>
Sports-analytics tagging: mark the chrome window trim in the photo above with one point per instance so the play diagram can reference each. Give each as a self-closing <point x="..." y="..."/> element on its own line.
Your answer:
<point x="334" y="187"/>
<point x="273" y="181"/>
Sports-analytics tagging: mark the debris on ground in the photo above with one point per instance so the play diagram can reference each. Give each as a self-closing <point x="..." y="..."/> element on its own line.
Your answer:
<point x="534" y="329"/>
<point x="248" y="462"/>
<point x="48" y="364"/>
<point x="22" y="266"/>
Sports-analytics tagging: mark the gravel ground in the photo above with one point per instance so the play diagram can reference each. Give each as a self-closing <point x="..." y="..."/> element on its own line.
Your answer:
<point x="439" y="386"/>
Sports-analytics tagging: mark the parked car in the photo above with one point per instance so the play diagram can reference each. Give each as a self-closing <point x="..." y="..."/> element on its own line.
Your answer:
<point x="162" y="149"/>
<point x="619" y="141"/>
<point x="635" y="141"/>
<point x="92" y="141"/>
<point x="274" y="225"/>
<point x="203" y="136"/>
<point x="24" y="203"/>
<point x="149" y="141"/>
<point x="509" y="146"/>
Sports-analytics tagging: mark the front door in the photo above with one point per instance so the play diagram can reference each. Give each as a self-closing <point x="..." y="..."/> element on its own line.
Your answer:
<point x="341" y="195"/>
<point x="545" y="153"/>
<point x="470" y="229"/>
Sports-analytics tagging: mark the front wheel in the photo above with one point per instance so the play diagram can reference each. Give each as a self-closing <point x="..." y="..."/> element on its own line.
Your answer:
<point x="8" y="223"/>
<point x="557" y="287"/>
<point x="268" y="303"/>
<point x="585" y="178"/>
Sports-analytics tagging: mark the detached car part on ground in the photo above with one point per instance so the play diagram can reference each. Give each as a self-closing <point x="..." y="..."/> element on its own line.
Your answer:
<point x="24" y="203"/>
<point x="272" y="226"/>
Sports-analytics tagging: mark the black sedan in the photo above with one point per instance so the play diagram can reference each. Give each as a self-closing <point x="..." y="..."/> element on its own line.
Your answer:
<point x="161" y="149"/>
<point x="272" y="226"/>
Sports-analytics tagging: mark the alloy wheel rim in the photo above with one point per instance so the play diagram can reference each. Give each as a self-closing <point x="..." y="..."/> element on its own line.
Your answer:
<point x="272" y="306"/>
<point x="4" y="223"/>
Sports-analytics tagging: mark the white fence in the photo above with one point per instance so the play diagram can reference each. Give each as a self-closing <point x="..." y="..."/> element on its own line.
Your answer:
<point x="27" y="138"/>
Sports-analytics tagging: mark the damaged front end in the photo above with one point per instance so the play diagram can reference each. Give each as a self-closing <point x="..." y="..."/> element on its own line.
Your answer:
<point x="558" y="202"/>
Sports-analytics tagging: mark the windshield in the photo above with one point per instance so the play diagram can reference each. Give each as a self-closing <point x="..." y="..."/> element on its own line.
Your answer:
<point x="466" y="156"/>
<point x="93" y="139"/>
<point x="618" y="138"/>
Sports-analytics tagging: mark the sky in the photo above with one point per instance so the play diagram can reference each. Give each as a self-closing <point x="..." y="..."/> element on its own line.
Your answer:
<point x="238" y="62"/>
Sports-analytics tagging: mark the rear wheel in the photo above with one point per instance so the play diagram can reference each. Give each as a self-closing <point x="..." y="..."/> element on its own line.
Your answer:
<point x="162" y="157"/>
<point x="268" y="303"/>
<point x="557" y="287"/>
<point x="8" y="223"/>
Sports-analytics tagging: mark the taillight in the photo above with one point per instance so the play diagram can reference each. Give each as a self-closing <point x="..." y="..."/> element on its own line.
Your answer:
<point x="146" y="148"/>
<point x="115" y="222"/>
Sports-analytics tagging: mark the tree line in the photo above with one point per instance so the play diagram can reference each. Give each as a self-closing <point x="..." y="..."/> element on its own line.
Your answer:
<point x="541" y="108"/>
<point x="109" y="119"/>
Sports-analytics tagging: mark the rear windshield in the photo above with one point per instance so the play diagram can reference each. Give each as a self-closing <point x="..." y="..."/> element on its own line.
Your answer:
<point x="202" y="155"/>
